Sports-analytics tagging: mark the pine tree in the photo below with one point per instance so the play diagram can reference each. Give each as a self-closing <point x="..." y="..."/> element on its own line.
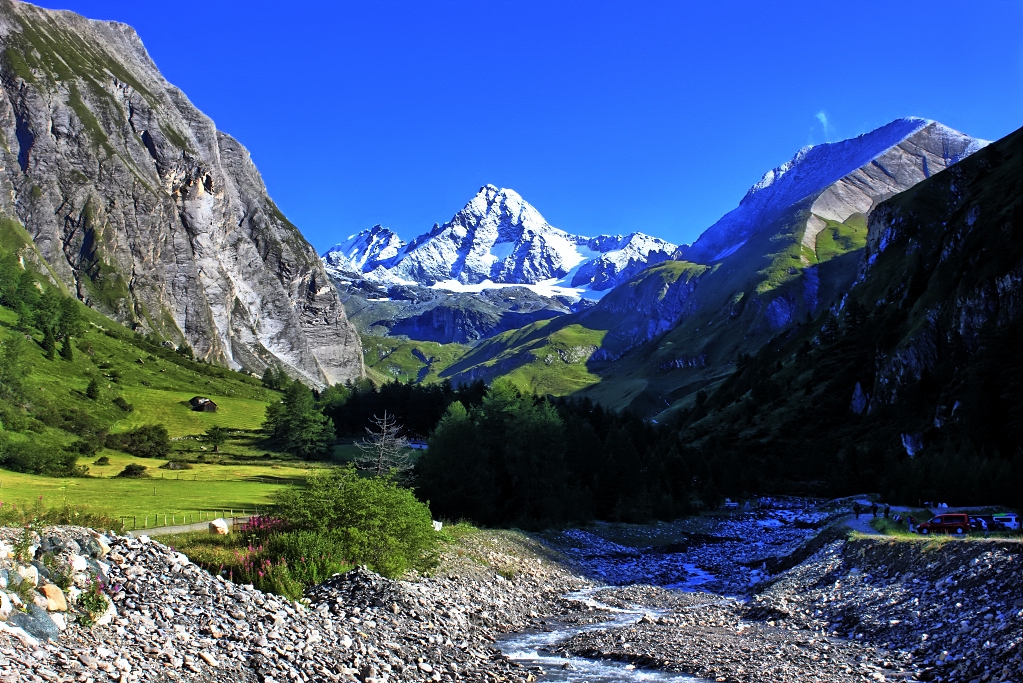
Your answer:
<point x="67" y="352"/>
<point x="49" y="343"/>
<point x="92" y="391"/>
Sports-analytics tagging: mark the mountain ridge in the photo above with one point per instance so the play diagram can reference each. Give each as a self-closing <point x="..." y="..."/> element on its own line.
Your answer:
<point x="136" y="203"/>
<point x="669" y="331"/>
<point x="497" y="238"/>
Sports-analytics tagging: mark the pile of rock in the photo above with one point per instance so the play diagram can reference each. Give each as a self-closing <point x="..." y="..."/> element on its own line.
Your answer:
<point x="869" y="609"/>
<point x="35" y="572"/>
<point x="956" y="605"/>
<point x="169" y="619"/>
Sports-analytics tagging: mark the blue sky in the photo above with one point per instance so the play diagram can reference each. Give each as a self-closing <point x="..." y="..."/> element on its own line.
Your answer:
<point x="607" y="116"/>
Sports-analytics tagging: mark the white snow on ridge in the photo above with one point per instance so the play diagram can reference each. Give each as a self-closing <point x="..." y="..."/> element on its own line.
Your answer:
<point x="813" y="169"/>
<point x="548" y="288"/>
<point x="498" y="239"/>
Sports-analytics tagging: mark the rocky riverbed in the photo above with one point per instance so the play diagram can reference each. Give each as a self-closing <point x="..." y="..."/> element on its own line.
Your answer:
<point x="507" y="607"/>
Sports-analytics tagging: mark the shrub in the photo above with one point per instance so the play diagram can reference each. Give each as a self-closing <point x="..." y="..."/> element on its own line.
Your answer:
<point x="133" y="471"/>
<point x="147" y="441"/>
<point x="368" y="521"/>
<point x="102" y="460"/>
<point x="83" y="447"/>
<point x="33" y="458"/>
<point x="123" y="405"/>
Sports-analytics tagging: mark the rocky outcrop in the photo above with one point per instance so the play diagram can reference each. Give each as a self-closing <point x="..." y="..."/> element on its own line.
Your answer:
<point x="428" y="314"/>
<point x="948" y="253"/>
<point x="841" y="178"/>
<point x="148" y="213"/>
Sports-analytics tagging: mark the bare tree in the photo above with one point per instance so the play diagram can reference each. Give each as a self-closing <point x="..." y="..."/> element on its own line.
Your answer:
<point x="385" y="450"/>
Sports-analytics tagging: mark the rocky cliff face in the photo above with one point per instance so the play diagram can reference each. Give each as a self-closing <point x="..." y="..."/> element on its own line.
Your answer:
<point x="500" y="238"/>
<point x="427" y="314"/>
<point x="839" y="179"/>
<point x="147" y="212"/>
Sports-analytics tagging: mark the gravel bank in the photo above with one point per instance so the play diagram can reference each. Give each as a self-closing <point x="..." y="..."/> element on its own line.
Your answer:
<point x="170" y="620"/>
<point x="859" y="610"/>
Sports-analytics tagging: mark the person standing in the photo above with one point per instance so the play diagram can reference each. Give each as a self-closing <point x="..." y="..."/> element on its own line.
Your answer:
<point x="873" y="509"/>
<point x="887" y="510"/>
<point x="856" y="510"/>
<point x="912" y="525"/>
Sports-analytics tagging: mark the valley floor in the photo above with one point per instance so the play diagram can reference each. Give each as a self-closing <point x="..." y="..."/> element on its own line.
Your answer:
<point x="768" y="595"/>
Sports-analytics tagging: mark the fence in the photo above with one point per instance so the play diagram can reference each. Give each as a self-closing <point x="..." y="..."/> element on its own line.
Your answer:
<point x="151" y="521"/>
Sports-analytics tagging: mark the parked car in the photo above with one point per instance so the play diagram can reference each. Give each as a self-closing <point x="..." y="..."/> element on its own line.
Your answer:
<point x="992" y="523"/>
<point x="948" y="524"/>
<point x="1010" y="520"/>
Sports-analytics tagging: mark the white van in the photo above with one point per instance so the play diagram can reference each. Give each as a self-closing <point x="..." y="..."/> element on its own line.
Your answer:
<point x="1009" y="519"/>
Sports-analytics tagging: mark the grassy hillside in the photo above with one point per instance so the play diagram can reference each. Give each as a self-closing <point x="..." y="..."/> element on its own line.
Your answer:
<point x="387" y="359"/>
<point x="155" y="383"/>
<point x="914" y="381"/>
<point x="48" y="408"/>
<point x="547" y="357"/>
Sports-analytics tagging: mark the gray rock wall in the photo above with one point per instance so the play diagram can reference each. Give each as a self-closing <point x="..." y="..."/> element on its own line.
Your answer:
<point x="147" y="212"/>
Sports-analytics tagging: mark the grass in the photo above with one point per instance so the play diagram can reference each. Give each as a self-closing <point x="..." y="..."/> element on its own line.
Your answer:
<point x="170" y="492"/>
<point x="548" y="357"/>
<point x="389" y="358"/>
<point x="157" y="383"/>
<point x="890" y="528"/>
<point x="171" y="409"/>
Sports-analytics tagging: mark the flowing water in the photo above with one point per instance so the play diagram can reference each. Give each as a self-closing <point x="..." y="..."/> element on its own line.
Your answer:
<point x="533" y="650"/>
<point x="740" y="540"/>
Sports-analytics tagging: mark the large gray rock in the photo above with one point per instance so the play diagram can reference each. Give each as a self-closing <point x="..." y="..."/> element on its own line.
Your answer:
<point x="143" y="209"/>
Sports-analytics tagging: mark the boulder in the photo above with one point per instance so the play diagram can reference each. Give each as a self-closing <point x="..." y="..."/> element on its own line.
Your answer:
<point x="37" y="622"/>
<point x="55" y="600"/>
<point x="220" y="527"/>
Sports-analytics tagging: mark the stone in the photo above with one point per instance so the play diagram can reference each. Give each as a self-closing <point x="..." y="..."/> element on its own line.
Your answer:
<point x="103" y="548"/>
<point x="108" y="616"/>
<point x="60" y="620"/>
<point x="37" y="622"/>
<point x="220" y="527"/>
<point x="5" y="607"/>
<point x="28" y="573"/>
<point x="78" y="563"/>
<point x="56" y="602"/>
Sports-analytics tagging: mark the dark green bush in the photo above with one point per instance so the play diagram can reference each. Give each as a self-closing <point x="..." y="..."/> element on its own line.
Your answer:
<point x="133" y="471"/>
<point x="366" y="521"/>
<point x="147" y="441"/>
<point x="33" y="458"/>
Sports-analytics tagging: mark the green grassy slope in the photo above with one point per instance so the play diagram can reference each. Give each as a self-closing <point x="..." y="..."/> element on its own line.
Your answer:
<point x="932" y="325"/>
<point x="389" y="358"/>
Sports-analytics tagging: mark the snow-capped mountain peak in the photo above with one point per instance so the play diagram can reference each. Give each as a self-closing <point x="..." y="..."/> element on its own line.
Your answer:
<point x="814" y="169"/>
<point x="497" y="239"/>
<point x="368" y="246"/>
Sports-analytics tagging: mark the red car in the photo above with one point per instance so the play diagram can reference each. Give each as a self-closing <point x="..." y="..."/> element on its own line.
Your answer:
<point x="949" y="524"/>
